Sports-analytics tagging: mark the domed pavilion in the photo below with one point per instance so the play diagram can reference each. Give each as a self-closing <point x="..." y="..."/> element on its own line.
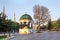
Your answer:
<point x="25" y="22"/>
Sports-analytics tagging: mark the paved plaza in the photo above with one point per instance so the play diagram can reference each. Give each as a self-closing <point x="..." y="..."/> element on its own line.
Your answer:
<point x="38" y="36"/>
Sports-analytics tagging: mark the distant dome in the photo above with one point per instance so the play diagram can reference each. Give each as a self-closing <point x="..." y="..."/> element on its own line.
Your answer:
<point x="26" y="16"/>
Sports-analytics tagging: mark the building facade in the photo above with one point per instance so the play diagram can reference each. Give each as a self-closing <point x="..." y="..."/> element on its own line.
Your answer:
<point x="25" y="23"/>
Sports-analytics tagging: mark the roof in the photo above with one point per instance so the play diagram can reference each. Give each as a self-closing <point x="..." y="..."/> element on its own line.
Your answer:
<point x="26" y="16"/>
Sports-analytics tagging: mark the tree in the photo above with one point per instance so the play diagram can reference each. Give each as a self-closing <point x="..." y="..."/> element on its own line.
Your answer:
<point x="2" y="22"/>
<point x="49" y="25"/>
<point x="56" y="24"/>
<point x="14" y="26"/>
<point x="41" y="14"/>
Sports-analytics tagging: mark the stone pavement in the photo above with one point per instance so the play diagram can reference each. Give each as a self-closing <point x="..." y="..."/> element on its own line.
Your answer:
<point x="38" y="36"/>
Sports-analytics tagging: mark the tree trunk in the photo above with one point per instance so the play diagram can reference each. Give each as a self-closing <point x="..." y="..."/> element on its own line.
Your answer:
<point x="9" y="33"/>
<point x="38" y="28"/>
<point x="4" y="33"/>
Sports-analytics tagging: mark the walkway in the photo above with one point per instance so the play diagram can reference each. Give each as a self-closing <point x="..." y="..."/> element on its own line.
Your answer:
<point x="38" y="36"/>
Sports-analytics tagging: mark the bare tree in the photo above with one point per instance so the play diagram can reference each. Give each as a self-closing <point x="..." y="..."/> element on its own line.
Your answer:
<point x="41" y="14"/>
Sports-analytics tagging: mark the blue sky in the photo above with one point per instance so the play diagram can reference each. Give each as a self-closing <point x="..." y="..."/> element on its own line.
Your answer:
<point x="22" y="6"/>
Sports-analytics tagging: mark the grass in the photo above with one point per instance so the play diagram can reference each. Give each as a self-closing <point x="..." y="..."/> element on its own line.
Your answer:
<point x="2" y="37"/>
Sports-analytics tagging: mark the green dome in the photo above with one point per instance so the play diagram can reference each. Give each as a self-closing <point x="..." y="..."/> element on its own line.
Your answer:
<point x="26" y="16"/>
